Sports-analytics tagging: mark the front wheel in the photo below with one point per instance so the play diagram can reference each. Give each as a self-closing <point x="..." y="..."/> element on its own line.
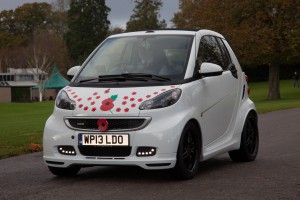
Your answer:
<point x="249" y="141"/>
<point x="188" y="153"/>
<point x="69" y="171"/>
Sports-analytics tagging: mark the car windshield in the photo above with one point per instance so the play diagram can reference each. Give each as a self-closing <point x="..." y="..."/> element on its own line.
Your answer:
<point x="157" y="55"/>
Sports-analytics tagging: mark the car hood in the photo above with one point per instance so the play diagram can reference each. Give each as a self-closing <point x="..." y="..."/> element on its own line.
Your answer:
<point x="112" y="101"/>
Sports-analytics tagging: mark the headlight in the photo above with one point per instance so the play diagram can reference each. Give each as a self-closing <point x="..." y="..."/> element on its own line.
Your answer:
<point x="163" y="100"/>
<point x="64" y="102"/>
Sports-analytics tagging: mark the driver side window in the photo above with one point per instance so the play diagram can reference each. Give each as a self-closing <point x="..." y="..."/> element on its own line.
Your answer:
<point x="209" y="51"/>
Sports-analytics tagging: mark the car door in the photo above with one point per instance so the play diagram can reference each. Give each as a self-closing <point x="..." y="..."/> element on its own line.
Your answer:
<point x="218" y="95"/>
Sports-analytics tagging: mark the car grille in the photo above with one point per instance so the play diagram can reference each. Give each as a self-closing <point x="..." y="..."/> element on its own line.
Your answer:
<point x="114" y="124"/>
<point x="105" y="151"/>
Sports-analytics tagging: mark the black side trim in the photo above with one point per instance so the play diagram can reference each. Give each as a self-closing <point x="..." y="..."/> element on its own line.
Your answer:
<point x="158" y="165"/>
<point x="233" y="70"/>
<point x="244" y="88"/>
<point x="54" y="163"/>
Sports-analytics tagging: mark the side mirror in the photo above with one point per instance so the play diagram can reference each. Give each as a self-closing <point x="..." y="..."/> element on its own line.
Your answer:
<point x="71" y="72"/>
<point x="210" y="69"/>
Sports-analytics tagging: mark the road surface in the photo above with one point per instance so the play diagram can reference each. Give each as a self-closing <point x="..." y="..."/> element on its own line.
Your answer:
<point x="274" y="175"/>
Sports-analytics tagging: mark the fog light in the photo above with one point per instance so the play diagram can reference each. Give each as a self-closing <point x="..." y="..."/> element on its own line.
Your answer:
<point x="145" y="151"/>
<point x="66" y="150"/>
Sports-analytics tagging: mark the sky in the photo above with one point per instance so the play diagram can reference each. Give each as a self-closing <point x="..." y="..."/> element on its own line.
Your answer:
<point x="120" y="9"/>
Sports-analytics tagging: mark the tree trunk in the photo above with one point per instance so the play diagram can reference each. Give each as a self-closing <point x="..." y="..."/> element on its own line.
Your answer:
<point x="274" y="89"/>
<point x="41" y="96"/>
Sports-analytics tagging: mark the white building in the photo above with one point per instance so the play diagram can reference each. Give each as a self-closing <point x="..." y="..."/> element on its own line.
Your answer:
<point x="16" y="84"/>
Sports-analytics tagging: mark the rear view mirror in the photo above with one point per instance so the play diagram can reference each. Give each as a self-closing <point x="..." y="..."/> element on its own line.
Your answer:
<point x="71" y="72"/>
<point x="210" y="69"/>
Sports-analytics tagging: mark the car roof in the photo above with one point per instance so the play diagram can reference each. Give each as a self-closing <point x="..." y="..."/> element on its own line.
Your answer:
<point x="168" y="32"/>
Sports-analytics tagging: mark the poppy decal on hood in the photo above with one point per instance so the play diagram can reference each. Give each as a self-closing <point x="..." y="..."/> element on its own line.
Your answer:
<point x="112" y="100"/>
<point x="108" y="104"/>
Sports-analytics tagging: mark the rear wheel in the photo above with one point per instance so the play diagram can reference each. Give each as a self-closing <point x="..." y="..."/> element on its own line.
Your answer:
<point x="69" y="171"/>
<point x="249" y="141"/>
<point x="188" y="153"/>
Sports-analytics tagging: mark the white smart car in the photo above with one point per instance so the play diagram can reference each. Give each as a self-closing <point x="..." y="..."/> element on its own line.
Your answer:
<point x="155" y="99"/>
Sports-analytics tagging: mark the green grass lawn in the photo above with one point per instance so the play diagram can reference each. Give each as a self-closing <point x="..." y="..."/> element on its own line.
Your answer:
<point x="290" y="97"/>
<point x="22" y="123"/>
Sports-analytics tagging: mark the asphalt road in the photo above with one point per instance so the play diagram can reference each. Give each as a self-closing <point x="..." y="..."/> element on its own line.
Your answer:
<point x="274" y="175"/>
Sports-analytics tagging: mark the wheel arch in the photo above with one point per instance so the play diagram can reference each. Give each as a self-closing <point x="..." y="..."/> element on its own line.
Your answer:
<point x="196" y="123"/>
<point x="254" y="113"/>
<point x="250" y="112"/>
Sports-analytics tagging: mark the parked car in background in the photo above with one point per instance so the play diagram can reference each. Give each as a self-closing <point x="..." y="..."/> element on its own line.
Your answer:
<point x="156" y="99"/>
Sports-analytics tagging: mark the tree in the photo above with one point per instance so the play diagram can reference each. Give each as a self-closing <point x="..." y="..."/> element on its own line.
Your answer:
<point x="146" y="16"/>
<point x="41" y="54"/>
<point x="11" y="57"/>
<point x="88" y="26"/>
<point x="39" y="58"/>
<point x="17" y="27"/>
<point x="59" y="17"/>
<point x="61" y="5"/>
<point x="263" y="32"/>
<point x="115" y="30"/>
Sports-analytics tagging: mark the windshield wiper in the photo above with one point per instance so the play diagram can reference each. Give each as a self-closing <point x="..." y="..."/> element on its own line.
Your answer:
<point x="127" y="77"/>
<point x="87" y="80"/>
<point x="147" y="76"/>
<point x="110" y="78"/>
<point x="120" y="77"/>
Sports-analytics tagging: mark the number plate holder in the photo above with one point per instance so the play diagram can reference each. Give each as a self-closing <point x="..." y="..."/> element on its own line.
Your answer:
<point x="87" y="139"/>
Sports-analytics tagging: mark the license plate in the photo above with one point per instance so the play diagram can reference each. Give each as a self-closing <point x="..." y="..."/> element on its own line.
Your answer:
<point x="104" y="139"/>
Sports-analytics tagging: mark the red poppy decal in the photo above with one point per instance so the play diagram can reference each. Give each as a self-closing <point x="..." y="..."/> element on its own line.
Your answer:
<point x="80" y="106"/>
<point x="69" y="90"/>
<point x="155" y="93"/>
<point x="173" y="86"/>
<point x="140" y="100"/>
<point x="126" y="109"/>
<point x="75" y="96"/>
<point x="79" y="99"/>
<point x="148" y="96"/>
<point x="73" y="93"/>
<point x="90" y="98"/>
<point x="108" y="104"/>
<point x="133" y="105"/>
<point x="131" y="99"/>
<point x="102" y="124"/>
<point x="93" y="103"/>
<point x="118" y="109"/>
<point x="94" y="109"/>
<point x="126" y="97"/>
<point x="163" y="89"/>
<point x="124" y="103"/>
<point x="95" y="93"/>
<point x="106" y="91"/>
<point x="97" y="97"/>
<point x="133" y="93"/>
<point x="86" y="108"/>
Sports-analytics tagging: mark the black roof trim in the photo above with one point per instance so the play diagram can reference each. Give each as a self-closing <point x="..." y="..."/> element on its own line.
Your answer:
<point x="164" y="29"/>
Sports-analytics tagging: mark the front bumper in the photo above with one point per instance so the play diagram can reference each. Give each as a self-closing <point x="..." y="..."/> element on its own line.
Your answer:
<point x="163" y="133"/>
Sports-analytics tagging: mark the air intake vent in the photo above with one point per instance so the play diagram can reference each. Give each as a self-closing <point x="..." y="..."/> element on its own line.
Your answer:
<point x="114" y="124"/>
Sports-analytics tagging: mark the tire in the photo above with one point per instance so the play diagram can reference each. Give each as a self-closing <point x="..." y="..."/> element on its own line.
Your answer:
<point x="65" y="172"/>
<point x="188" y="153"/>
<point x="249" y="141"/>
